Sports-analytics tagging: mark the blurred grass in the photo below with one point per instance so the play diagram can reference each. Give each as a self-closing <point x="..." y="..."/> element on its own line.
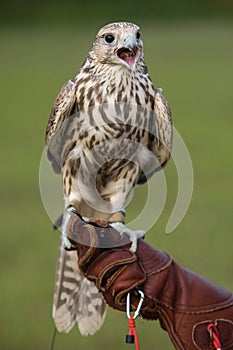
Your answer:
<point x="192" y="61"/>
<point x="71" y="11"/>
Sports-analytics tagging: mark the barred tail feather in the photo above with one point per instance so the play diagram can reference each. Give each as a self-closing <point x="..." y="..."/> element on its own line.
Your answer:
<point x="75" y="298"/>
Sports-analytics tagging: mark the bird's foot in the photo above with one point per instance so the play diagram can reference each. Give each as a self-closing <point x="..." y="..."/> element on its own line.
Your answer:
<point x="133" y="235"/>
<point x="67" y="245"/>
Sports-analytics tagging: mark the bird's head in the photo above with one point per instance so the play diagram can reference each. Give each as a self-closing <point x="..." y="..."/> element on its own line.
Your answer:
<point x="119" y="44"/>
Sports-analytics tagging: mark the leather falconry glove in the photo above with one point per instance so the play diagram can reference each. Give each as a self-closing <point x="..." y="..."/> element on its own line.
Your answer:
<point x="196" y="313"/>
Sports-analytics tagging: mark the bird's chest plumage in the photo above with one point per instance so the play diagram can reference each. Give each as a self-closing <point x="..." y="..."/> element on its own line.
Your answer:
<point x="113" y="117"/>
<point x="112" y="105"/>
<point x="112" y="86"/>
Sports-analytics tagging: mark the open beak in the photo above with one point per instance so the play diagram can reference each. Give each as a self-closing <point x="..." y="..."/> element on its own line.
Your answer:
<point x="128" y="50"/>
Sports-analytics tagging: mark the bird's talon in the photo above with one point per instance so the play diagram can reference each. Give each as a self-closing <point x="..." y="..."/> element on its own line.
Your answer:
<point x="133" y="235"/>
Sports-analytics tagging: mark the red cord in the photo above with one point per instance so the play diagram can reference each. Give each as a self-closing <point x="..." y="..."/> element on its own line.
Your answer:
<point x="132" y="331"/>
<point x="215" y="335"/>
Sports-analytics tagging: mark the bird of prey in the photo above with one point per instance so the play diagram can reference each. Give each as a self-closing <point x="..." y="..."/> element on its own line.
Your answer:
<point x="109" y="129"/>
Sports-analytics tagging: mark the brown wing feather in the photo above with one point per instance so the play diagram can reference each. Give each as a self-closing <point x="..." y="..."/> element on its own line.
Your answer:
<point x="61" y="110"/>
<point x="162" y="144"/>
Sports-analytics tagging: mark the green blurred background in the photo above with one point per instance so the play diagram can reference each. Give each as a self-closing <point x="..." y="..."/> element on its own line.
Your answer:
<point x="189" y="51"/>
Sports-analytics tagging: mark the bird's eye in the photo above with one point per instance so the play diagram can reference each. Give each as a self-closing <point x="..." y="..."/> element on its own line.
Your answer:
<point x="109" y="38"/>
<point x="138" y="35"/>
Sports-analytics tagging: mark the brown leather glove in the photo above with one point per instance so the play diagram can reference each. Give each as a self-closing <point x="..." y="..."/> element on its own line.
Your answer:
<point x="194" y="311"/>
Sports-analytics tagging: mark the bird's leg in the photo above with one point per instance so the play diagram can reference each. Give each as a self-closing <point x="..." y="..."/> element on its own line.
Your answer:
<point x="65" y="240"/>
<point x="118" y="200"/>
<point x="133" y="235"/>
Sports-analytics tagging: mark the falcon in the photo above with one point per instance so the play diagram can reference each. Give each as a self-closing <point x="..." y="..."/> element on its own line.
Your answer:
<point x="109" y="130"/>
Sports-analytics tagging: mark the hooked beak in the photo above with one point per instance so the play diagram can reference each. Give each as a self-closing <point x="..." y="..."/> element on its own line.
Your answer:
<point x="128" y="50"/>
